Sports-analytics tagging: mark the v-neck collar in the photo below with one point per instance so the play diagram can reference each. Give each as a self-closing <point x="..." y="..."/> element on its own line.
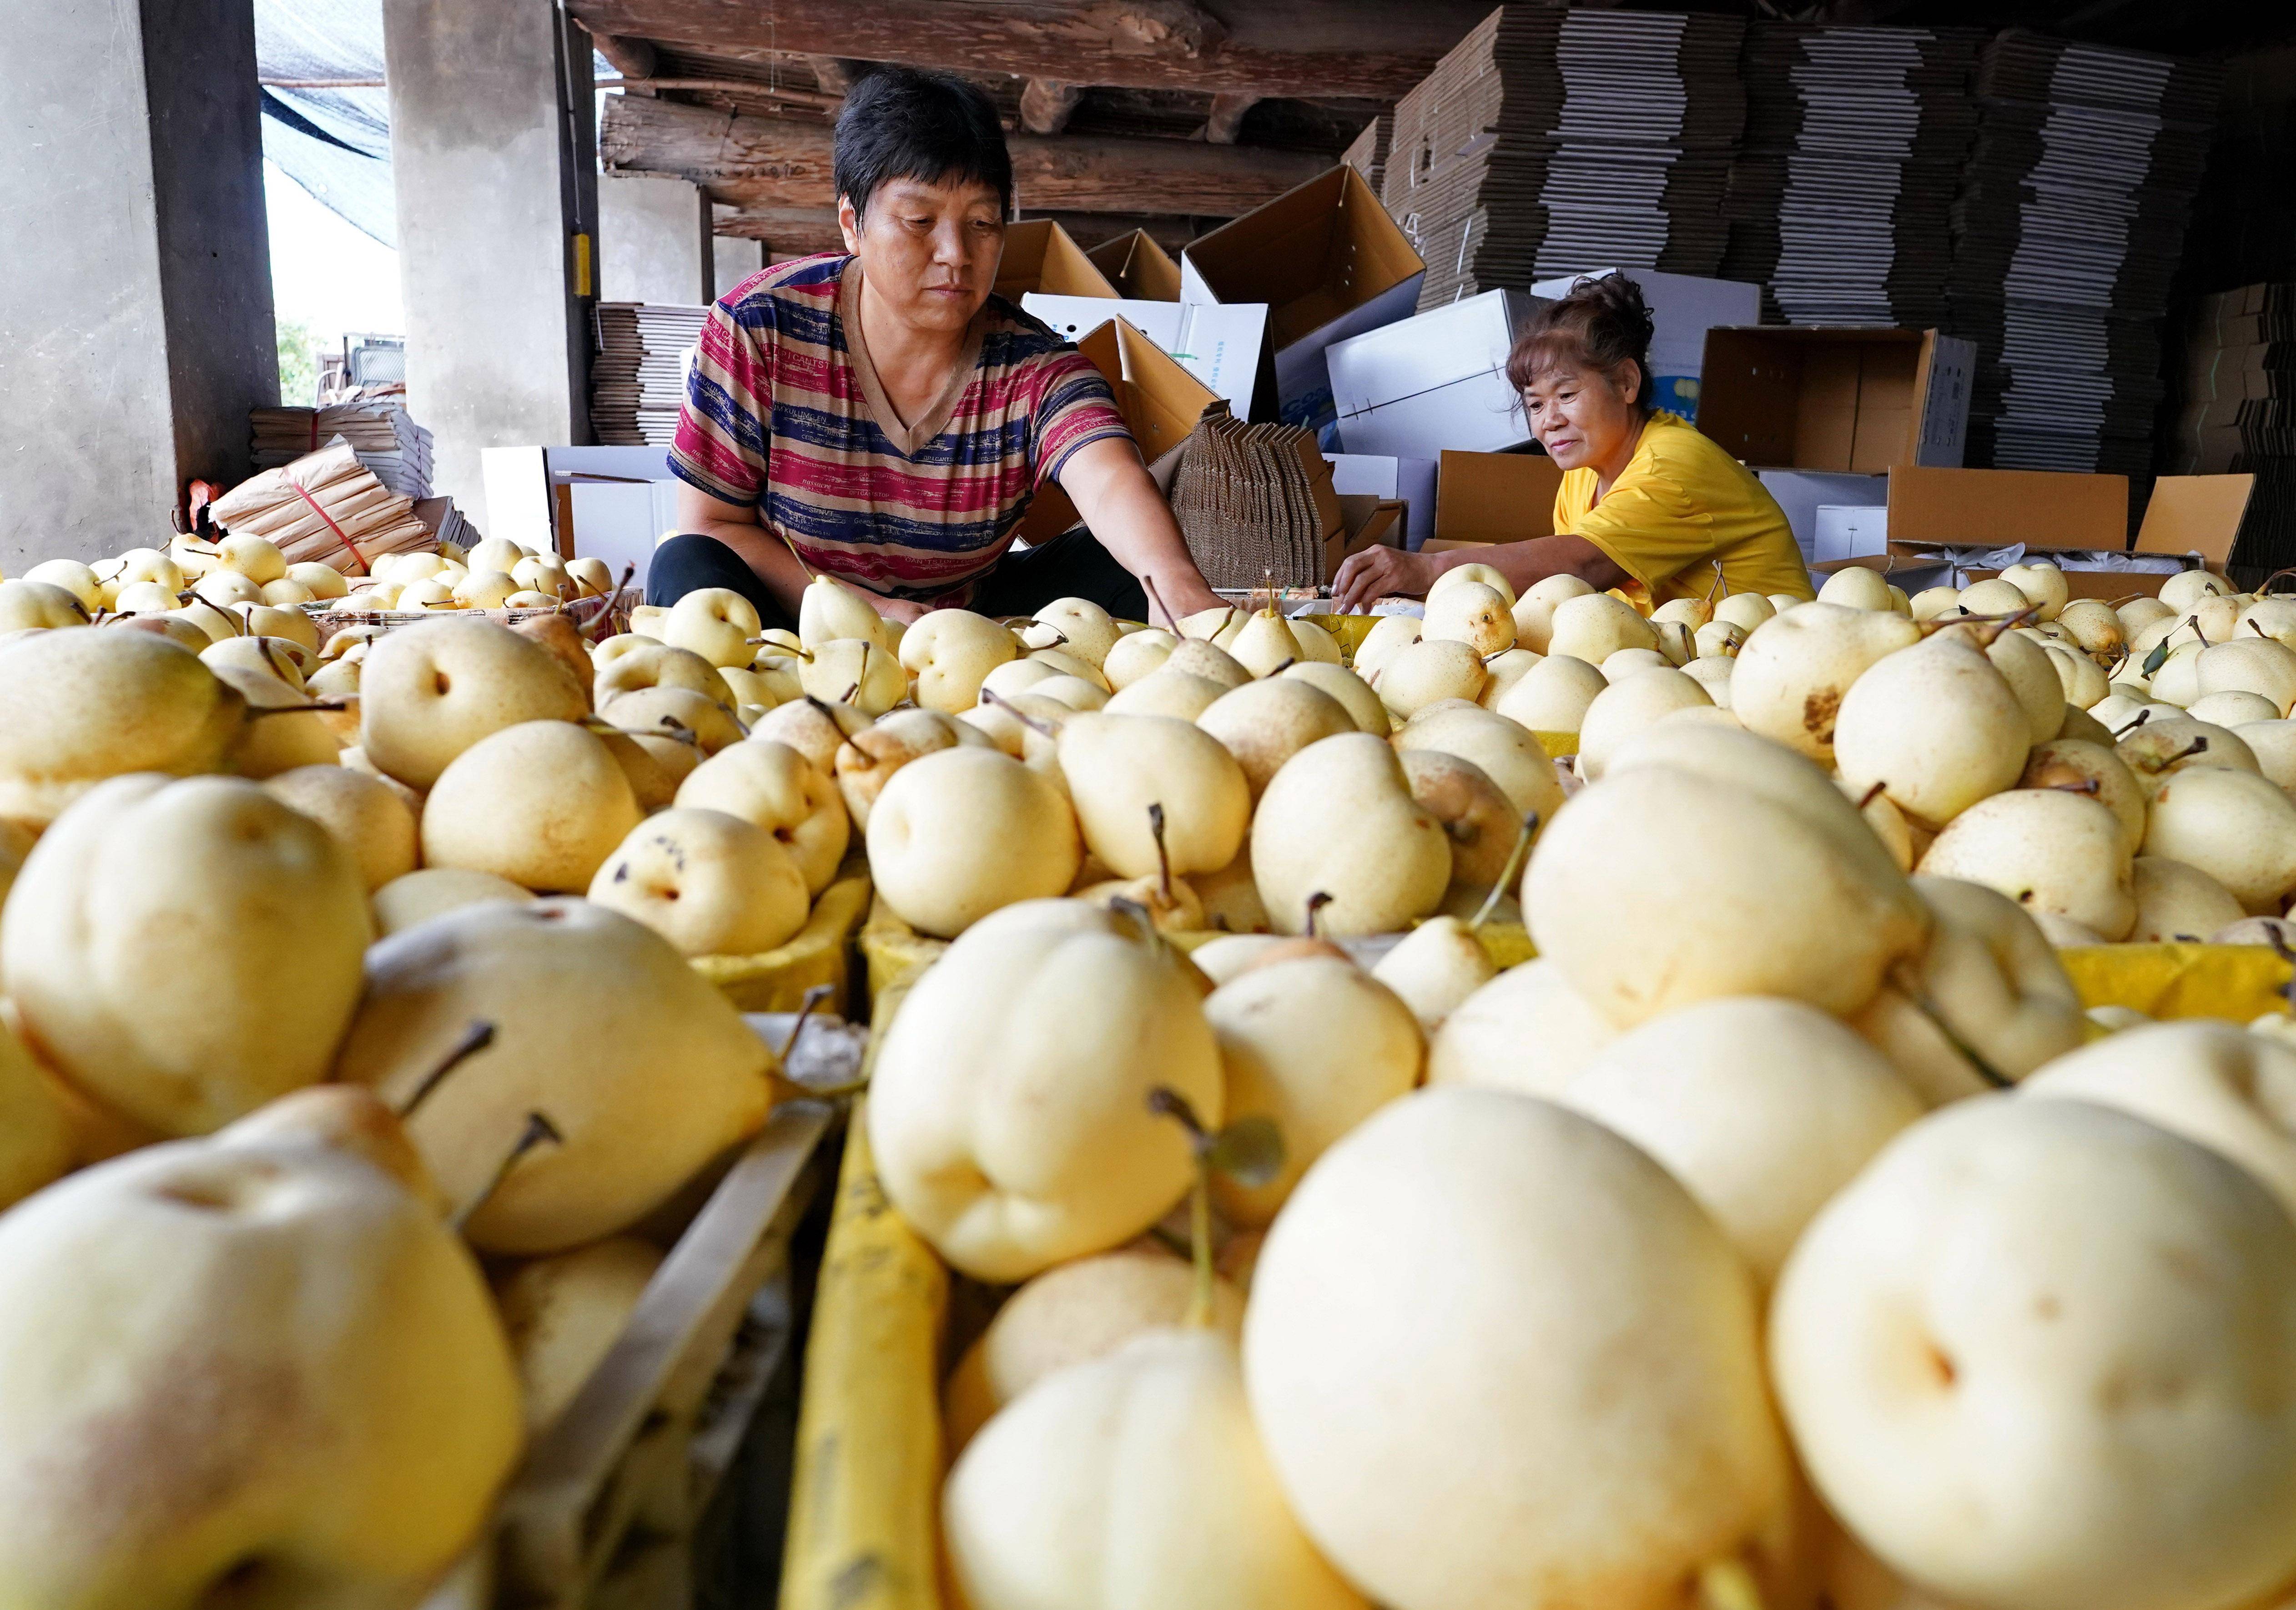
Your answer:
<point x="909" y="439"/>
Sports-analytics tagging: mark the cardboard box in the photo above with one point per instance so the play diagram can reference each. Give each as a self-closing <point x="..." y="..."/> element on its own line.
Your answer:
<point x="1365" y="521"/>
<point x="1908" y="575"/>
<point x="1799" y="494"/>
<point x="1410" y="482"/>
<point x="612" y="504"/>
<point x="1224" y="346"/>
<point x="1138" y="268"/>
<point x="1039" y="255"/>
<point x="1852" y="531"/>
<point x="1328" y="261"/>
<point x="1437" y="381"/>
<point x="1682" y="309"/>
<point x="1849" y="401"/>
<point x="1485" y="497"/>
<point x="1160" y="401"/>
<point x="1954" y="514"/>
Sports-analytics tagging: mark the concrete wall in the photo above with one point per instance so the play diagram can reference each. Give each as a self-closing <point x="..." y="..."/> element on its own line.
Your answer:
<point x="653" y="241"/>
<point x="737" y="259"/>
<point x="136" y="327"/>
<point x="490" y="200"/>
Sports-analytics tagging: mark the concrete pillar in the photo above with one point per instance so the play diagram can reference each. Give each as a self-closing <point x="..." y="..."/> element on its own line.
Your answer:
<point x="737" y="259"/>
<point x="136" y="327"/>
<point x="653" y="240"/>
<point x="493" y="152"/>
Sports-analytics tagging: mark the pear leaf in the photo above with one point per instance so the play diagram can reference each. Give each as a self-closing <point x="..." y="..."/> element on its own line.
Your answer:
<point x="2157" y="658"/>
<point x="1250" y="1151"/>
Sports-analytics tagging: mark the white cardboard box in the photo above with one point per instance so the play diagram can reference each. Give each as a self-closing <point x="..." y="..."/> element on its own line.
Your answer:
<point x="1851" y="531"/>
<point x="619" y="500"/>
<point x="1801" y="493"/>
<point x="1220" y="344"/>
<point x="1683" y="308"/>
<point x="1435" y="383"/>
<point x="1409" y="480"/>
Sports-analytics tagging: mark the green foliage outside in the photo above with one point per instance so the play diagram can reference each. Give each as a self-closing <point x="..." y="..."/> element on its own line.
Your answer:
<point x="298" y="364"/>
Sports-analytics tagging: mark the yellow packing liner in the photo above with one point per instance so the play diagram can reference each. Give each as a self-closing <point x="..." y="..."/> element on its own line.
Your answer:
<point x="864" y="1525"/>
<point x="819" y="953"/>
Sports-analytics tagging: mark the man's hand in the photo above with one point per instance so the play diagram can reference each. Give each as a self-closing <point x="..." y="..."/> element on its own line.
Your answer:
<point x="1377" y="572"/>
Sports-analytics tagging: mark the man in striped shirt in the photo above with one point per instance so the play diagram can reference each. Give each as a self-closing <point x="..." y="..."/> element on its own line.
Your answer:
<point x="879" y="417"/>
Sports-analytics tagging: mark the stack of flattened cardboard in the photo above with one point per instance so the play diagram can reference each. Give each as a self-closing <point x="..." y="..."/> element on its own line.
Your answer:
<point x="1368" y="155"/>
<point x="1841" y="200"/>
<point x="2069" y="227"/>
<point x="2236" y="409"/>
<point x="637" y="377"/>
<point x="1549" y="139"/>
<point x="326" y="506"/>
<point x="374" y="420"/>
<point x="1256" y="505"/>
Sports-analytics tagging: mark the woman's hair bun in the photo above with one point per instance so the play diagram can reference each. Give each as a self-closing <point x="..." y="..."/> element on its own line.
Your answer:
<point x="1598" y="323"/>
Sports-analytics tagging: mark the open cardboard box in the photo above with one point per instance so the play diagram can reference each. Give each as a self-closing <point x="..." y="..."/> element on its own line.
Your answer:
<point x="1160" y="400"/>
<point x="1224" y="346"/>
<point x="1365" y="521"/>
<point x="1436" y="379"/>
<point x="1486" y="497"/>
<point x="1847" y="402"/>
<point x="1039" y="255"/>
<point x="1942" y="513"/>
<point x="1138" y="268"/>
<point x="1329" y="263"/>
<point x="1682" y="309"/>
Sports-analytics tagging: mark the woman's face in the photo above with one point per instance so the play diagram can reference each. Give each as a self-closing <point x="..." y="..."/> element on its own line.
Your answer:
<point x="1581" y="417"/>
<point x="928" y="252"/>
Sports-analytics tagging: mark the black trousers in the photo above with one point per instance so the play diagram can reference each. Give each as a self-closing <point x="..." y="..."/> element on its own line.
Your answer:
<point x="1070" y="566"/>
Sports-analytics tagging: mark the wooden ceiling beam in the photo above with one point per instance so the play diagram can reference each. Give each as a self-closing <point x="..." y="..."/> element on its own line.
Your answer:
<point x="1374" y="48"/>
<point x="631" y="58"/>
<point x="1047" y="105"/>
<point x="768" y="162"/>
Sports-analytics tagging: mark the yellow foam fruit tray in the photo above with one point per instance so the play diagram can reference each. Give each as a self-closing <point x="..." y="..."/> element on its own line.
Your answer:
<point x="819" y="953"/>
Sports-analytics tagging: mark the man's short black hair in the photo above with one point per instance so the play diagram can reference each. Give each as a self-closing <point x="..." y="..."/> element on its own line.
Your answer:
<point x="905" y="123"/>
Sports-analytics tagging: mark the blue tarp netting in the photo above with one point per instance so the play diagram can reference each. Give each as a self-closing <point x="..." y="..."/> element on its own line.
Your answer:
<point x="334" y="143"/>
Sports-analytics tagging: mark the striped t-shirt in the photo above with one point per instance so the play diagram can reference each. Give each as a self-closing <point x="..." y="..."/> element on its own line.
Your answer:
<point x="783" y="412"/>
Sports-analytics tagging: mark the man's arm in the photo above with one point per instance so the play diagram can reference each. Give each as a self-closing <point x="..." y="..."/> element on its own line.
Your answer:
<point x="1378" y="572"/>
<point x="1129" y="518"/>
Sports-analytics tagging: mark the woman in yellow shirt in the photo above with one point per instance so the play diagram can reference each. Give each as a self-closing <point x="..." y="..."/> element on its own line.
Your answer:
<point x="1644" y="498"/>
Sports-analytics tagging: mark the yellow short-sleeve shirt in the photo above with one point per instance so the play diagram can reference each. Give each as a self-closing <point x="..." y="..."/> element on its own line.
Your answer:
<point x="1681" y="506"/>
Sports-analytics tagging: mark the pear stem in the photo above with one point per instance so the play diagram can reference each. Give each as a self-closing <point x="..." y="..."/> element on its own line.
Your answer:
<point x="813" y="998"/>
<point x="1315" y="904"/>
<point x="300" y="709"/>
<point x="1163" y="857"/>
<point x="2194" y="622"/>
<point x="1508" y="874"/>
<point x="1873" y="793"/>
<point x="1928" y="1008"/>
<point x="475" y="1039"/>
<point x="1142" y="918"/>
<point x="991" y="696"/>
<point x="1285" y="666"/>
<point x="1728" y="1585"/>
<point x="2198" y="746"/>
<point x="538" y="1128"/>
<point x="1157" y="604"/>
<point x="847" y="696"/>
<point x="1168" y="1103"/>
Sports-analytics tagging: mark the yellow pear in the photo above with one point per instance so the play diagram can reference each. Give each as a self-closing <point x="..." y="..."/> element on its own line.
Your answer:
<point x="715" y="622"/>
<point x="2273" y="745"/>
<point x="2024" y="665"/>
<point x="1435" y="968"/>
<point x="955" y="835"/>
<point x="655" y="765"/>
<point x="28" y="606"/>
<point x="1073" y="692"/>
<point x="2079" y="678"/>
<point x="1478" y="820"/>
<point x="1264" y="724"/>
<point x="2045" y="849"/>
<point x="1428" y="671"/>
<point x="711" y="884"/>
<point x="642" y="1071"/>
<point x="2177" y="903"/>
<point x="321" y="581"/>
<point x="1505" y="752"/>
<point x="828" y="610"/>
<point x="1316" y="645"/>
<point x="1131" y="1480"/>
<point x="542" y="574"/>
<point x="1316" y="1045"/>
<point x="15" y="844"/>
<point x="1762" y="1108"/>
<point x="1088" y="630"/>
<point x="1993" y="1311"/>
<point x="2238" y="827"/>
<point x="1745" y="611"/>
<point x="2233" y="710"/>
<point x="1988" y="982"/>
<point x="226" y="589"/>
<point x="2254" y="664"/>
<point x="36" y="1134"/>
<point x="1016" y="678"/>
<point x="147" y="598"/>
<point x="816" y="729"/>
<point x="542" y="804"/>
<point x="1994" y="597"/>
<point x="1796" y="668"/>
<point x="1230" y="897"/>
<point x="1553" y="695"/>
<point x="1627" y="706"/>
<point x="1266" y="645"/>
<point x="854" y="672"/>
<point x="274" y="743"/>
<point x="1389" y="636"/>
<point x="1502" y="671"/>
<point x="367" y="818"/>
<point x="152" y="564"/>
<point x="430" y="691"/>
<point x="1071" y="1315"/>
<point x="1353" y="693"/>
<point x="253" y="557"/>
<point x="2079" y="767"/>
<point x="2185" y="589"/>
<point x="1936" y="727"/>
<point x="1534" y="610"/>
<point x="265" y="621"/>
<point x="1657" y="888"/>
<point x="349" y="1119"/>
<point x="950" y="652"/>
<point x="1595" y="626"/>
<point x="1180" y="695"/>
<point x="1338" y="820"/>
<point x="78" y="707"/>
<point x="1207" y="624"/>
<point x="2164" y="746"/>
<point x="429" y="891"/>
<point x="1550" y="1227"/>
<point x="184" y="950"/>
<point x="1460" y="575"/>
<point x="1132" y="657"/>
<point x="563" y="1314"/>
<point x="1626" y="662"/>
<point x="2042" y="584"/>
<point x="1472" y="613"/>
<point x="866" y="762"/>
<point x="1118" y="767"/>
<point x="678" y="712"/>
<point x="299" y="1361"/>
<point x="1690" y="613"/>
<point x="2095" y="625"/>
<point x="1855" y="588"/>
<point x="1008" y="1113"/>
<point x="1713" y="674"/>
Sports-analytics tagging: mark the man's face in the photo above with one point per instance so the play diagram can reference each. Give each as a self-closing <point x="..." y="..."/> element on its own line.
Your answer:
<point x="928" y="251"/>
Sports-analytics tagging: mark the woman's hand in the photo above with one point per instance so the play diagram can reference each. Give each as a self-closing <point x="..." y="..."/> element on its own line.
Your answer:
<point x="909" y="611"/>
<point x="1377" y="572"/>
